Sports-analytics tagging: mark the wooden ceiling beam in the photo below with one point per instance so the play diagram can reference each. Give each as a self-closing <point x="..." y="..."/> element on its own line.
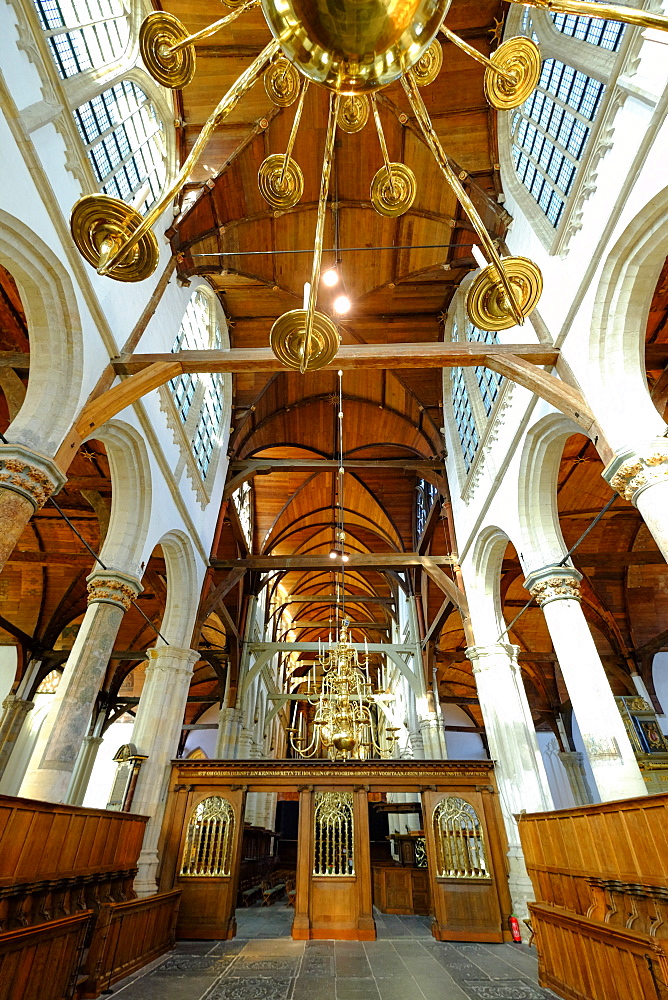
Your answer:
<point x="350" y="356"/>
<point x="371" y="560"/>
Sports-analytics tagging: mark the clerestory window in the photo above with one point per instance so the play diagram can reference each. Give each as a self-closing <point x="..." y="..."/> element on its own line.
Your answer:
<point x="199" y="398"/>
<point x="84" y="34"/>
<point x="550" y="132"/>
<point x="124" y="138"/>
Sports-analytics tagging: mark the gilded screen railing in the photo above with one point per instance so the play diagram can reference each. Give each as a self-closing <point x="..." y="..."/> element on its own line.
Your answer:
<point x="208" y="847"/>
<point x="333" y="834"/>
<point x="459" y="840"/>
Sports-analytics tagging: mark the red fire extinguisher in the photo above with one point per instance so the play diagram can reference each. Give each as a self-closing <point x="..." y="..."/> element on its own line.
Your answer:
<point x="515" y="929"/>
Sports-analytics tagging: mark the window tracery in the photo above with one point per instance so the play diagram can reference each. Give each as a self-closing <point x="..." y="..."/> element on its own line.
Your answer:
<point x="124" y="139"/>
<point x="83" y="34"/>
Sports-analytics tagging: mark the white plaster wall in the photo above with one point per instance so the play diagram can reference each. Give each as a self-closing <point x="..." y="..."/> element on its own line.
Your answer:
<point x="8" y="662"/>
<point x="461" y="746"/>
<point x="204" y="738"/>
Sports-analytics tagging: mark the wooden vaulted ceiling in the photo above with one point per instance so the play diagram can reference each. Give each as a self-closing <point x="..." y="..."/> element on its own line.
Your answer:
<point x="397" y="295"/>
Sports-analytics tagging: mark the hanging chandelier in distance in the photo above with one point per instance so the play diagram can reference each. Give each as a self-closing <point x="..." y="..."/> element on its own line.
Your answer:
<point x="352" y="49"/>
<point x="343" y="726"/>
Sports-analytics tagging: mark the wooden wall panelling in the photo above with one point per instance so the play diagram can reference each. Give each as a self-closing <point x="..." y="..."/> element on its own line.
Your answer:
<point x="581" y="959"/>
<point x="208" y="902"/>
<point x="127" y="937"/>
<point x="41" y="963"/>
<point x="464" y="909"/>
<point x="400" y="889"/>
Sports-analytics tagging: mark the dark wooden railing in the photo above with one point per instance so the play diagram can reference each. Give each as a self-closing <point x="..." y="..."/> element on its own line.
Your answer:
<point x="42" y="962"/>
<point x="128" y="936"/>
<point x="600" y="876"/>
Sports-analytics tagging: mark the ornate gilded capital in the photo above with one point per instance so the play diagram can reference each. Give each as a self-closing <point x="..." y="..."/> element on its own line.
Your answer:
<point x="554" y="583"/>
<point x="30" y="474"/>
<point x="629" y="474"/>
<point x="487" y="657"/>
<point x="109" y="586"/>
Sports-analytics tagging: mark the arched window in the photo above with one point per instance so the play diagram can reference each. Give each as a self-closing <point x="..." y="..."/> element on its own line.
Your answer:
<point x="550" y="131"/>
<point x="203" y="392"/>
<point x="474" y="392"/>
<point x="124" y="139"/>
<point x="83" y="34"/>
<point x="208" y="846"/>
<point x="459" y="840"/>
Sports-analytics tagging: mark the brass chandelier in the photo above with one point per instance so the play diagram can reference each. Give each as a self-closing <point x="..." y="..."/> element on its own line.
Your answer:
<point x="352" y="49"/>
<point x="343" y="725"/>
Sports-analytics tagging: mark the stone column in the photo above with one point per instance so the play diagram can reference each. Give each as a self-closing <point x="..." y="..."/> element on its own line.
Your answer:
<point x="613" y="763"/>
<point x="110" y="594"/>
<point x="27" y="480"/>
<point x="230" y="721"/>
<point x="83" y="770"/>
<point x="643" y="479"/>
<point x="156" y="734"/>
<point x="577" y="778"/>
<point x="14" y="711"/>
<point x="520" y="772"/>
<point x="431" y="732"/>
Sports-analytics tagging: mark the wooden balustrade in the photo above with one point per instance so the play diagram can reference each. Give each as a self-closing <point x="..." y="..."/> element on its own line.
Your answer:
<point x="128" y="936"/>
<point x="600" y="876"/>
<point x="42" y="962"/>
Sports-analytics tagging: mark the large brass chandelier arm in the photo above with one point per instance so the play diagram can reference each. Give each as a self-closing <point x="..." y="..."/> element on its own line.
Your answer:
<point x="607" y="11"/>
<point x="513" y="304"/>
<point x="109" y="249"/>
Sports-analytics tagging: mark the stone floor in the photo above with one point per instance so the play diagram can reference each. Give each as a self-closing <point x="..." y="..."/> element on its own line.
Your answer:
<point x="405" y="963"/>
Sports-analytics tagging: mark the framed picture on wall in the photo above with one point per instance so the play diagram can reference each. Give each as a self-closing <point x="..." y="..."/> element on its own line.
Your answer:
<point x="650" y="735"/>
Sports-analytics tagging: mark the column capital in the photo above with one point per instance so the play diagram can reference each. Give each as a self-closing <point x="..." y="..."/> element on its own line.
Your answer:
<point x="554" y="583"/>
<point x="172" y="659"/>
<point x="111" y="586"/>
<point x="483" y="657"/>
<point x="29" y="474"/>
<point x="18" y="704"/>
<point x="630" y="473"/>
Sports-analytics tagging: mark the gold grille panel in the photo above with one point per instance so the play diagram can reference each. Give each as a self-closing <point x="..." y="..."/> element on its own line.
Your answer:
<point x="333" y="834"/>
<point x="208" y="847"/>
<point x="459" y="839"/>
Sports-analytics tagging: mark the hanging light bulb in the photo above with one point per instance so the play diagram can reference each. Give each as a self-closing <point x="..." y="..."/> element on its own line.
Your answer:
<point x="333" y="553"/>
<point x="341" y="304"/>
<point x="344" y="557"/>
<point x="331" y="277"/>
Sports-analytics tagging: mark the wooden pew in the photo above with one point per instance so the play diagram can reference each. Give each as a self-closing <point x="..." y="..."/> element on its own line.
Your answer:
<point x="42" y="962"/>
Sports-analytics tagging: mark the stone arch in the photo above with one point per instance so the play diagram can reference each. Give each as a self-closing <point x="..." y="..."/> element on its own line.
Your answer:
<point x="483" y="586"/>
<point x="542" y="541"/>
<point x="619" y="321"/>
<point x="131" y="496"/>
<point x="183" y="588"/>
<point x="56" y="338"/>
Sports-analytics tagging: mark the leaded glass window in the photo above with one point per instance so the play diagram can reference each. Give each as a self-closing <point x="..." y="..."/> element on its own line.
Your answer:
<point x="594" y="30"/>
<point x="489" y="382"/>
<point x="83" y="34"/>
<point x="124" y="139"/>
<point x="195" y="335"/>
<point x="464" y="419"/>
<point x="550" y="132"/>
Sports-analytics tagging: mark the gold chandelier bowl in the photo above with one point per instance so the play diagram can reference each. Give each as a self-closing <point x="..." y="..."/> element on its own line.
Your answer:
<point x="354" y="46"/>
<point x="281" y="184"/>
<point x="393" y="194"/>
<point x="487" y="303"/>
<point x="100" y="225"/>
<point x="287" y="339"/>
<point x="158" y="33"/>
<point x="353" y="113"/>
<point x="519" y="59"/>
<point x="282" y="83"/>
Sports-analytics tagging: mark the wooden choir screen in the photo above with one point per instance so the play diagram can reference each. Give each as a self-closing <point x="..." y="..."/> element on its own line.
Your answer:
<point x="202" y="858"/>
<point x="333" y="898"/>
<point x="466" y="867"/>
<point x="600" y="876"/>
<point x="41" y="962"/>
